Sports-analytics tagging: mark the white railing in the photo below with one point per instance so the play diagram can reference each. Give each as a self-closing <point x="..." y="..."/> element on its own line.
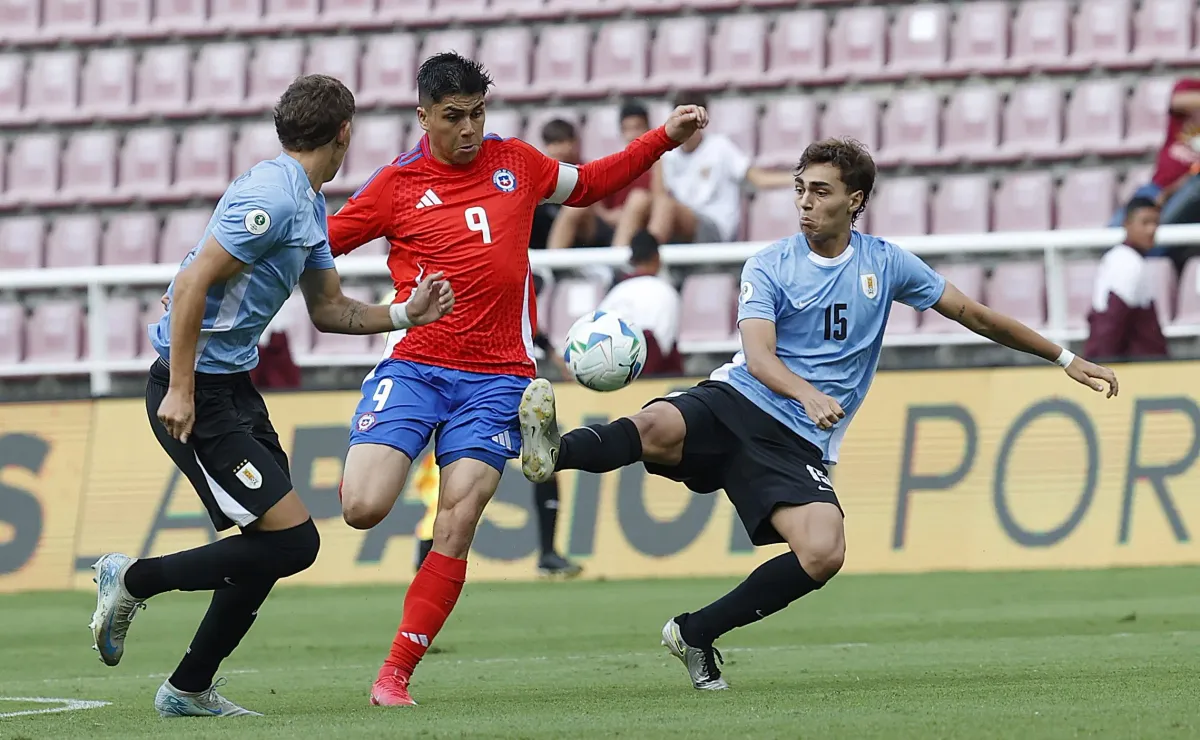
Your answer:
<point x="1051" y="244"/>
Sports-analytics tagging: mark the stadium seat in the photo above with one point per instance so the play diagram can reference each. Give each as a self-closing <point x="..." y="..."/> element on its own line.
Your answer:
<point x="585" y="8"/>
<point x="294" y="321"/>
<point x="293" y="14"/>
<point x="202" y="161"/>
<point x="461" y="41"/>
<point x="182" y="231"/>
<point x="902" y="319"/>
<point x="89" y="168"/>
<point x="336" y="56"/>
<point x="256" y="142"/>
<point x="979" y="38"/>
<point x="389" y="71"/>
<point x="561" y="63"/>
<point x="1079" y="277"/>
<point x="35" y="157"/>
<point x="162" y="81"/>
<point x="123" y="323"/>
<point x="1161" y="275"/>
<point x="1162" y="32"/>
<point x="219" y="79"/>
<point x="572" y="298"/>
<point x="1148" y="113"/>
<point x="521" y="10"/>
<point x="969" y="279"/>
<point x="971" y="125"/>
<point x="12" y="324"/>
<point x="68" y="20"/>
<point x="736" y="118"/>
<point x="1101" y="34"/>
<point x="107" y="90"/>
<point x="378" y="140"/>
<point x="130" y="239"/>
<point x="788" y="125"/>
<point x="74" y="241"/>
<point x="504" y="122"/>
<point x="21" y="242"/>
<point x="1033" y="122"/>
<point x="900" y="207"/>
<point x="1024" y="202"/>
<point x="346" y="344"/>
<point x="772" y="215"/>
<point x="1135" y="177"/>
<point x="708" y="308"/>
<point x="236" y="16"/>
<point x="858" y="52"/>
<point x="508" y="55"/>
<point x="619" y="56"/>
<point x="351" y="13"/>
<point x="54" y="332"/>
<point x="20" y="20"/>
<point x="184" y="17"/>
<point x="273" y="66"/>
<point x="855" y="115"/>
<point x="150" y="315"/>
<point x="448" y="11"/>
<point x="406" y="13"/>
<point x="738" y="51"/>
<point x="12" y="85"/>
<point x="678" y="57"/>
<point x="1189" y="294"/>
<point x="797" y="50"/>
<point x="128" y="19"/>
<point x="1086" y="198"/>
<point x="1040" y="34"/>
<point x="146" y="164"/>
<point x="1096" y="118"/>
<point x="919" y="41"/>
<point x="640" y="7"/>
<point x="910" y="130"/>
<point x="52" y="87"/>
<point x="601" y="133"/>
<point x="1018" y="289"/>
<point x="962" y="205"/>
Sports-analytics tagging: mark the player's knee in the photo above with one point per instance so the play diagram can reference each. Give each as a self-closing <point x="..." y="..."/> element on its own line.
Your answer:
<point x="661" y="427"/>
<point x="295" y="548"/>
<point x="821" y="557"/>
<point x="360" y="509"/>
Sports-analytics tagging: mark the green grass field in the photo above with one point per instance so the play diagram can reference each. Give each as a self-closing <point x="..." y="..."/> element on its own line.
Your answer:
<point x="1022" y="655"/>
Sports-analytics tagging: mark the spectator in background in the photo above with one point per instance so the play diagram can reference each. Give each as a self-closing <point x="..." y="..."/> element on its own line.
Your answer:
<point x="697" y="190"/>
<point x="572" y="227"/>
<point x="647" y="299"/>
<point x="1123" y="321"/>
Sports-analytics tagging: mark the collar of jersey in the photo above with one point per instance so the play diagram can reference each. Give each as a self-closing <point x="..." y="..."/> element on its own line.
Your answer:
<point x="437" y="164"/>
<point x="285" y="157"/>
<point x="820" y="261"/>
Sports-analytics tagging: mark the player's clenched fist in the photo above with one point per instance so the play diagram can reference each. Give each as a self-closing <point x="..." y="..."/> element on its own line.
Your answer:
<point x="822" y="410"/>
<point x="432" y="299"/>
<point x="177" y="412"/>
<point x="685" y="121"/>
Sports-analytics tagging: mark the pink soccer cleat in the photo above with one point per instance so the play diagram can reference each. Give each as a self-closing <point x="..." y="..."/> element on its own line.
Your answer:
<point x="391" y="690"/>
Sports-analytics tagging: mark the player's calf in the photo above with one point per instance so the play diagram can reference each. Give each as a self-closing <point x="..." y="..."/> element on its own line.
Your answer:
<point x="467" y="487"/>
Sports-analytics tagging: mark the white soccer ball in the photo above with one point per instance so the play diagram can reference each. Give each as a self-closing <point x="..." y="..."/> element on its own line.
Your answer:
<point x="604" y="351"/>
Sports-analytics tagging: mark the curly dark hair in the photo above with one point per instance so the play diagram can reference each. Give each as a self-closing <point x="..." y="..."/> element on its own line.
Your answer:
<point x="852" y="160"/>
<point x="311" y="111"/>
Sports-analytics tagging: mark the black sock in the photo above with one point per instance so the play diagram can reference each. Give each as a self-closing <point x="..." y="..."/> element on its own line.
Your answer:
<point x="771" y="587"/>
<point x="250" y="556"/>
<point x="600" y="447"/>
<point x="545" y="497"/>
<point x="423" y="548"/>
<point x="230" y="616"/>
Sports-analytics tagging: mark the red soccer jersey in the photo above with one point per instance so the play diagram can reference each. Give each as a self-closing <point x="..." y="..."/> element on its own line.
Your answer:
<point x="473" y="223"/>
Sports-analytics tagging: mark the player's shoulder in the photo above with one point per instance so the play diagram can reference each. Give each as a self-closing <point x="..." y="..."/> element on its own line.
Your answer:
<point x="775" y="254"/>
<point x="270" y="185"/>
<point x="872" y="244"/>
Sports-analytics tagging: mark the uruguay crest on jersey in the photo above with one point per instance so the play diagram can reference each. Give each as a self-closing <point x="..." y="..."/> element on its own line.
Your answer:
<point x="870" y="285"/>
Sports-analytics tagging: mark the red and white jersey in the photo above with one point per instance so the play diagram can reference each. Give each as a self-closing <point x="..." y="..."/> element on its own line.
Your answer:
<point x="472" y="222"/>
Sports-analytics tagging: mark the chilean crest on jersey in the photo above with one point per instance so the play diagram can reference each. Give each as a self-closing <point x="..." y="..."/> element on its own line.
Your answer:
<point x="870" y="285"/>
<point x="504" y="180"/>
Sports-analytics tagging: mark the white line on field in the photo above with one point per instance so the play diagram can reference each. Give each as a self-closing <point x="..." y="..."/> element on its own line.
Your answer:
<point x="68" y="705"/>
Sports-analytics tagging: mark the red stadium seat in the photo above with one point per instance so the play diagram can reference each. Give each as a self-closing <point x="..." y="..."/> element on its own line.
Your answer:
<point x="12" y="324"/>
<point x="461" y="10"/>
<point x="855" y="115"/>
<point x="1079" y="277"/>
<point x="679" y="56"/>
<point x="561" y="63"/>
<point x="911" y="128"/>
<point x="1101" y="34"/>
<point x="389" y="71"/>
<point x="1086" y="198"/>
<point x="336" y="56"/>
<point x="1018" y="289"/>
<point x="858" y="52"/>
<point x="74" y="241"/>
<point x="773" y="215"/>
<point x="508" y="54"/>
<point x="601" y="134"/>
<point x="461" y="41"/>
<point x="108" y="84"/>
<point x="52" y="87"/>
<point x="297" y="14"/>
<point x="256" y="142"/>
<point x="504" y="122"/>
<point x="162" y="81"/>
<point x="236" y="15"/>
<point x="797" y="48"/>
<point x="1033" y="122"/>
<point x="130" y="239"/>
<point x="35" y="157"/>
<point x="1163" y="32"/>
<point x="900" y="207"/>
<point x="968" y="278"/>
<point x="123" y="328"/>
<point x="219" y="78"/>
<point x="21" y="242"/>
<point x="187" y="17"/>
<point x="1189" y="294"/>
<point x="54" y="332"/>
<point x="736" y="118"/>
<point x="125" y="19"/>
<point x="273" y="66"/>
<point x="1161" y="274"/>
<point x="68" y="20"/>
<point x="708" y="306"/>
<point x="346" y="344"/>
<point x="202" y="161"/>
<point x="182" y="232"/>
<point x="1096" y="118"/>
<point x="962" y="205"/>
<point x="788" y="125"/>
<point x="739" y="51"/>
<point x="619" y="56"/>
<point x="378" y="140"/>
<point x="979" y="39"/>
<point x="146" y="164"/>
<point x="89" y="168"/>
<point x="20" y="20"/>
<point x="12" y="85"/>
<point x="971" y="125"/>
<point x="919" y="41"/>
<point x="1040" y="35"/>
<point x="1148" y="113"/>
<point x="572" y="298"/>
<point x="1024" y="202"/>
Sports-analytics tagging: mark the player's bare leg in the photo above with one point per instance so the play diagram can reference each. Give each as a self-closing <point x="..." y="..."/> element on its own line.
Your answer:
<point x="467" y="485"/>
<point x="373" y="479"/>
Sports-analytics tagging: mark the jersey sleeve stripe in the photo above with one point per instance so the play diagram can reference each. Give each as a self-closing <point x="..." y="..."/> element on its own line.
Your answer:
<point x="568" y="178"/>
<point x="368" y="182"/>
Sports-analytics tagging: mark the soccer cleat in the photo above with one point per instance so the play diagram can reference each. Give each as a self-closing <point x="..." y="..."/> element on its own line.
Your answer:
<point x="554" y="565"/>
<point x="539" y="431"/>
<point x="701" y="663"/>
<point x="391" y="690"/>
<point x="115" y="608"/>
<point x="171" y="702"/>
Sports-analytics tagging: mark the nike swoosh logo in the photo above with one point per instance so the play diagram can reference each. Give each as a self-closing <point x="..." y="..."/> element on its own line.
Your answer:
<point x="799" y="306"/>
<point x="824" y="488"/>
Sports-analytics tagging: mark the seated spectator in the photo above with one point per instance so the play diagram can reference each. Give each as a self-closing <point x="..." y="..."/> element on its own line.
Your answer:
<point x="1123" y="321"/>
<point x="649" y="301"/>
<point x="696" y="196"/>
<point x="570" y="227"/>
<point x="635" y="121"/>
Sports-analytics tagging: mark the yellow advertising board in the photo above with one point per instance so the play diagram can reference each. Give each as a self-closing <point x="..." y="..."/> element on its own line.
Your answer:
<point x="942" y="470"/>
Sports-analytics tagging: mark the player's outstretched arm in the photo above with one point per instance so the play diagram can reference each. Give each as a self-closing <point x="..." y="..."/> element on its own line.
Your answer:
<point x="758" y="344"/>
<point x="333" y="312"/>
<point x="1011" y="333"/>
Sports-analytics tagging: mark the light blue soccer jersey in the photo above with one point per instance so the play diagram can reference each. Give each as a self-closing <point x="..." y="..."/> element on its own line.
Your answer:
<point x="829" y="319"/>
<point x="271" y="219"/>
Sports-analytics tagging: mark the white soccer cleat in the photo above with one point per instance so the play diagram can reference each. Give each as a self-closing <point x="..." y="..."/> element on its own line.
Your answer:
<point x="701" y="663"/>
<point x="539" y="431"/>
<point x="171" y="702"/>
<point x="115" y="608"/>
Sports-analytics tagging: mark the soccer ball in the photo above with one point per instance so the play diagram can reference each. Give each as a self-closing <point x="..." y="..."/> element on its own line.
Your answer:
<point x="604" y="352"/>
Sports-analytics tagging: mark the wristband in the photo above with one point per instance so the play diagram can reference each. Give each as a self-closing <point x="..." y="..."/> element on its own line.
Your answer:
<point x="1065" y="358"/>
<point x="399" y="314"/>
